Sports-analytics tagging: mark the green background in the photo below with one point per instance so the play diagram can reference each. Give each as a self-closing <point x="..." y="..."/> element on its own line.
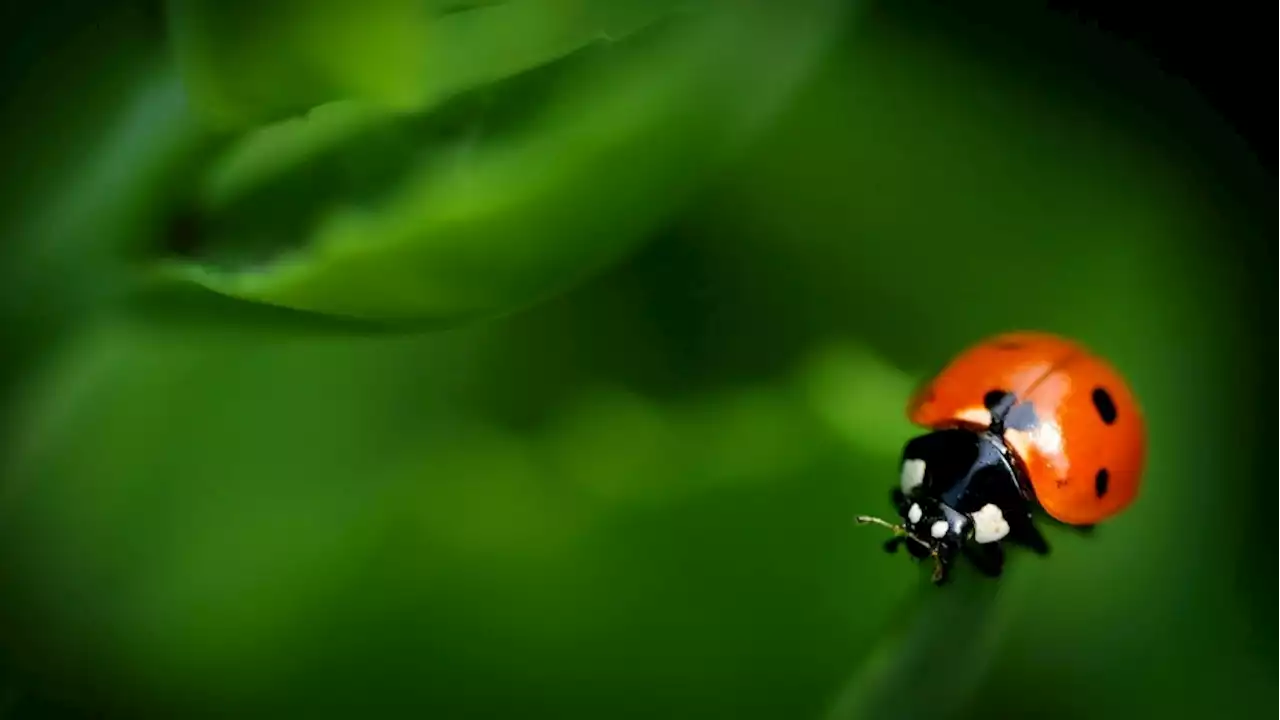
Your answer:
<point x="626" y="489"/>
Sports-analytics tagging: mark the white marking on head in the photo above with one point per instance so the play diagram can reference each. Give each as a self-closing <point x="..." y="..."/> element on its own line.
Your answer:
<point x="915" y="513"/>
<point x="912" y="475"/>
<point x="939" y="529"/>
<point x="989" y="524"/>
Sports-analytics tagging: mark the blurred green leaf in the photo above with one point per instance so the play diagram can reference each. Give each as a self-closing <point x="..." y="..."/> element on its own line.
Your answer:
<point x="508" y="193"/>
<point x="244" y="62"/>
<point x="932" y="656"/>
<point x="87" y="129"/>
<point x="115" y="173"/>
<point x="494" y="39"/>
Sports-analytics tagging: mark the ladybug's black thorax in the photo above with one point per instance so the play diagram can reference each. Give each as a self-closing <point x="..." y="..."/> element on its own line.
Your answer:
<point x="966" y="469"/>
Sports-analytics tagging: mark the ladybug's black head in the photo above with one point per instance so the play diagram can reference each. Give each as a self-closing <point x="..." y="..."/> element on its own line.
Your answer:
<point x="955" y="487"/>
<point x="930" y="529"/>
<point x="935" y="525"/>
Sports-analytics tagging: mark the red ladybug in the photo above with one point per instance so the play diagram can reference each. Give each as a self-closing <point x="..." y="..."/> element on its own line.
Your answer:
<point x="1018" y="420"/>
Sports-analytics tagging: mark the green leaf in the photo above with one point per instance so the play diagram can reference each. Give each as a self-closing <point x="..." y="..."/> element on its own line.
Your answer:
<point x="932" y="657"/>
<point x="505" y="194"/>
<point x="487" y="42"/>
<point x="247" y="63"/>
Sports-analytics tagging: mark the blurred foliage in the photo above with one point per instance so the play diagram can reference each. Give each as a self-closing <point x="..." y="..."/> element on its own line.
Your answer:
<point x="715" y="247"/>
<point x="248" y="62"/>
<point x="505" y="176"/>
<point x="253" y="62"/>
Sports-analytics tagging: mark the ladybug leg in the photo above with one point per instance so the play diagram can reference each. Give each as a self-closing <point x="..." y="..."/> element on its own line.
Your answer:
<point x="917" y="551"/>
<point x="988" y="558"/>
<point x="941" y="570"/>
<point x="943" y="556"/>
<point x="1028" y="535"/>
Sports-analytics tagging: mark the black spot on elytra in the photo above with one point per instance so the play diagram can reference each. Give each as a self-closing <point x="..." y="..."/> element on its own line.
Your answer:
<point x="997" y="400"/>
<point x="1105" y="406"/>
<point x="1005" y="414"/>
<point x="1101" y="481"/>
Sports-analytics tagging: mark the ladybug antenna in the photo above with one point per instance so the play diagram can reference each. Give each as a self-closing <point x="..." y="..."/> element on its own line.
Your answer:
<point x="895" y="529"/>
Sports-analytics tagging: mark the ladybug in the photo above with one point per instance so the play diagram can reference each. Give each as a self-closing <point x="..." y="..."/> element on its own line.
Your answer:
<point x="1020" y="421"/>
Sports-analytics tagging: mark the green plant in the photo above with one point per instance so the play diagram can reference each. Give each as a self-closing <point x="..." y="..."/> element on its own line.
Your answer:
<point x="347" y="372"/>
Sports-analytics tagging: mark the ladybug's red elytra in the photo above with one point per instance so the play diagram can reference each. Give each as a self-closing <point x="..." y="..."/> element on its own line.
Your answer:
<point x="1019" y="420"/>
